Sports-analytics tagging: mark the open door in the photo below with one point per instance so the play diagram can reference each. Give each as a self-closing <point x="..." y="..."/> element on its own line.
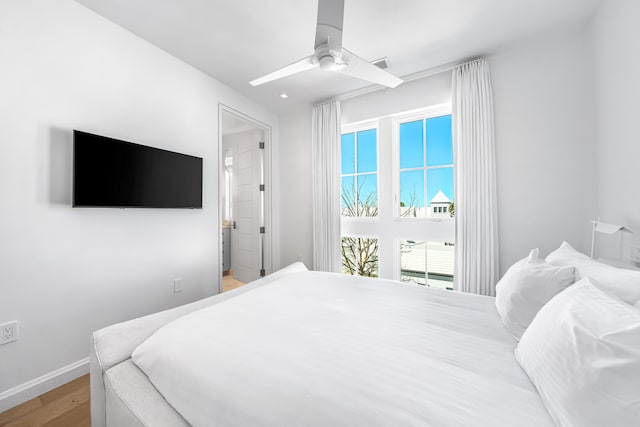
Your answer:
<point x="243" y="201"/>
<point x="245" y="234"/>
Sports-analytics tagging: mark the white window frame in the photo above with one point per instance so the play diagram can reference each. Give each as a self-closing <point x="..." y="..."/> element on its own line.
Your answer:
<point x="388" y="227"/>
<point x="228" y="177"/>
<point x="412" y="116"/>
<point x="355" y="128"/>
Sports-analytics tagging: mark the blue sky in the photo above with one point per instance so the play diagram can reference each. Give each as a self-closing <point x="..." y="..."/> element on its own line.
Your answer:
<point x="439" y="152"/>
<point x="348" y="153"/>
<point x="367" y="156"/>
<point x="367" y="161"/>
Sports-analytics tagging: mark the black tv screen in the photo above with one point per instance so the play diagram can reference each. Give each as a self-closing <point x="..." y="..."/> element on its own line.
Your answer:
<point x="112" y="173"/>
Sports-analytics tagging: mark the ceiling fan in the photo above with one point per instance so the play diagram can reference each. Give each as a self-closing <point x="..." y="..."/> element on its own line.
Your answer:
<point x="329" y="55"/>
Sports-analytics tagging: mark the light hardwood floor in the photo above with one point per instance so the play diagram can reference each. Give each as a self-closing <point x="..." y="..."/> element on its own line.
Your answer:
<point x="229" y="283"/>
<point x="65" y="406"/>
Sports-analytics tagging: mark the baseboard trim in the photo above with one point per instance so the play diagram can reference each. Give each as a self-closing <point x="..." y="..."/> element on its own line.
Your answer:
<point x="40" y="385"/>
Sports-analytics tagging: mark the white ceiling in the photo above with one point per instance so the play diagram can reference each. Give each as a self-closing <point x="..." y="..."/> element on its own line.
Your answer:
<point x="239" y="40"/>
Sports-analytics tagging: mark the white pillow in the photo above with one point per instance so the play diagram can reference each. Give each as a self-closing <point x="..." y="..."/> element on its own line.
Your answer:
<point x="582" y="352"/>
<point x="567" y="255"/>
<point x="526" y="287"/>
<point x="620" y="282"/>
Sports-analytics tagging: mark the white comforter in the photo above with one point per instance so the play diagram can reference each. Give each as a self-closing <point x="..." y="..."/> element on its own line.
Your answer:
<point x="321" y="349"/>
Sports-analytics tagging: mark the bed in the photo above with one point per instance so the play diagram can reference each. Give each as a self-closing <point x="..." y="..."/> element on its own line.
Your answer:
<point x="307" y="348"/>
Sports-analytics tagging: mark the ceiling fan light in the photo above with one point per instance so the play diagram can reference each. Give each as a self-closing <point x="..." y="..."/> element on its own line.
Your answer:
<point x="328" y="63"/>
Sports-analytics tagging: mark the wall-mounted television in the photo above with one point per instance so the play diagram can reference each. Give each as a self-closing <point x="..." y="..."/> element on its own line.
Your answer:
<point x="110" y="173"/>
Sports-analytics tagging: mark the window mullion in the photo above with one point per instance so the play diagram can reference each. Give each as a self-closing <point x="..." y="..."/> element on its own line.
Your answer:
<point x="424" y="173"/>
<point x="355" y="168"/>
<point x="439" y="167"/>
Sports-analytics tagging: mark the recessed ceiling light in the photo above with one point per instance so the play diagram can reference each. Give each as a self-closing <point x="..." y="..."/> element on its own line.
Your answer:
<point x="284" y="96"/>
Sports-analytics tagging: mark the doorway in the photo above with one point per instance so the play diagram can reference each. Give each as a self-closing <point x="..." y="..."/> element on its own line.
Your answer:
<point x="244" y="202"/>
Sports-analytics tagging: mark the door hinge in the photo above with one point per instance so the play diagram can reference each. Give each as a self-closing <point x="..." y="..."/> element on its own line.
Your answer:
<point x="261" y="145"/>
<point x="261" y="187"/>
<point x="262" y="230"/>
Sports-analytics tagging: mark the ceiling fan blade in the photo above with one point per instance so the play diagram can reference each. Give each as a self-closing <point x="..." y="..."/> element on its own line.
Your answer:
<point x="329" y="25"/>
<point x="296" y="67"/>
<point x="364" y="70"/>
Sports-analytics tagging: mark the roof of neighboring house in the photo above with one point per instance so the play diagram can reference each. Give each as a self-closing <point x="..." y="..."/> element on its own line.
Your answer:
<point x="440" y="197"/>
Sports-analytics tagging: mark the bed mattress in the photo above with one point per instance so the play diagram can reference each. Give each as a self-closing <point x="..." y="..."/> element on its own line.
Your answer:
<point x="322" y="349"/>
<point x="132" y="401"/>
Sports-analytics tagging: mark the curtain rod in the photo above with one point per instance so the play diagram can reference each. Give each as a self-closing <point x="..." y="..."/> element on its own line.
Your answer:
<point x="408" y="78"/>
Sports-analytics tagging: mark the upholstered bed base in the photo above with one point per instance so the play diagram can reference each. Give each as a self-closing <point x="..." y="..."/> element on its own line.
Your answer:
<point x="121" y="395"/>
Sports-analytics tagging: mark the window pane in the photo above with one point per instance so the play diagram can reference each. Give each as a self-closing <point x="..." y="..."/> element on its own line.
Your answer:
<point x="367" y="156"/>
<point x="349" y="196"/>
<point x="439" y="191"/>
<point x="411" y="145"/>
<point x="349" y="255"/>
<point x="440" y="264"/>
<point x="439" y="145"/>
<point x="413" y="262"/>
<point x="360" y="256"/>
<point x="368" y="195"/>
<point x="412" y="193"/>
<point x="348" y="153"/>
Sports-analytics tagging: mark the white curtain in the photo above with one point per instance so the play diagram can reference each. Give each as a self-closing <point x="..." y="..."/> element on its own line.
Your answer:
<point x="476" y="265"/>
<point x="325" y="146"/>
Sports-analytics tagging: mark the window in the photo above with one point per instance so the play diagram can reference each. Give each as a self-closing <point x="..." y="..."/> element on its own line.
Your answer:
<point x="360" y="174"/>
<point x="397" y="198"/>
<point x="228" y="184"/>
<point x="427" y="263"/>
<point x="360" y="256"/>
<point x="426" y="167"/>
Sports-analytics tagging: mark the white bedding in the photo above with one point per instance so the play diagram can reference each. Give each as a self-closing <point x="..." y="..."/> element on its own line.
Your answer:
<point x="321" y="349"/>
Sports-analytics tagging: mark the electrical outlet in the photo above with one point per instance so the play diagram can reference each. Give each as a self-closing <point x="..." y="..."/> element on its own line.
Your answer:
<point x="8" y="332"/>
<point x="177" y="285"/>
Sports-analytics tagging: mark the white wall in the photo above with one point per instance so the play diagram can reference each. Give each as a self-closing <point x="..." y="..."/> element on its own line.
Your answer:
<point x="65" y="271"/>
<point x="614" y="37"/>
<point x="544" y="146"/>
